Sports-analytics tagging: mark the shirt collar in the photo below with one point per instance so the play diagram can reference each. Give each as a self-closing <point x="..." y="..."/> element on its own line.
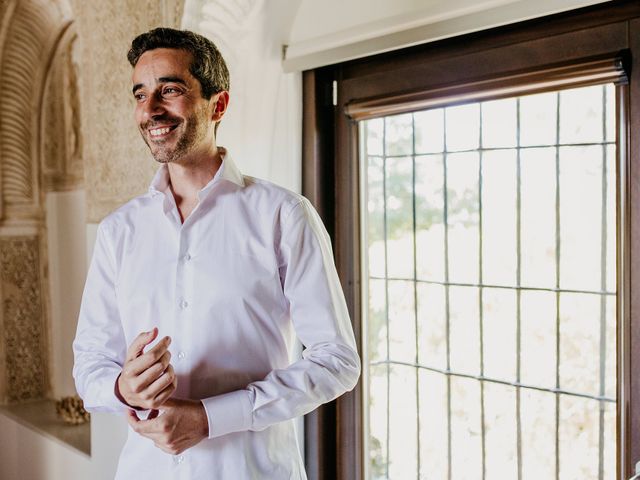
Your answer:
<point x="228" y="171"/>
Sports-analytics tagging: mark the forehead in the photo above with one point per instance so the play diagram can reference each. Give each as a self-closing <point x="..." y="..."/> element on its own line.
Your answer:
<point x="162" y="62"/>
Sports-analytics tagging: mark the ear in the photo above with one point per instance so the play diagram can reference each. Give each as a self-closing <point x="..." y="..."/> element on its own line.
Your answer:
<point x="221" y="101"/>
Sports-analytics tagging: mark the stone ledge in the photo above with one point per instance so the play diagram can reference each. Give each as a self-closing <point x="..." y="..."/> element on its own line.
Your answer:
<point x="40" y="416"/>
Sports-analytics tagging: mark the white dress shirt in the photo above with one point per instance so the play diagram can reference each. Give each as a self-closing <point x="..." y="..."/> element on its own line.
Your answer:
<point x="249" y="269"/>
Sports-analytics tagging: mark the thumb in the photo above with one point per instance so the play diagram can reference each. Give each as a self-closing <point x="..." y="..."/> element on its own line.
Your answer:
<point x="137" y="346"/>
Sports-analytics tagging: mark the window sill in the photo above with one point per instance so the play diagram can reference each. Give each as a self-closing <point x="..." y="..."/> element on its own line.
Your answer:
<point x="40" y="416"/>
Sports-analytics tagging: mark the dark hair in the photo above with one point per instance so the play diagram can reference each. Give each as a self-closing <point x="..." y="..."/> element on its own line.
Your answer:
<point x="207" y="66"/>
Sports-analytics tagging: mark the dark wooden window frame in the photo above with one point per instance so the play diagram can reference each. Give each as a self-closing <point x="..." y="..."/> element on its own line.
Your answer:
<point x="457" y="66"/>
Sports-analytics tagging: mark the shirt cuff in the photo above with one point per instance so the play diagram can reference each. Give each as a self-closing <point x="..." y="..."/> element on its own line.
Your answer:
<point x="103" y="397"/>
<point x="228" y="413"/>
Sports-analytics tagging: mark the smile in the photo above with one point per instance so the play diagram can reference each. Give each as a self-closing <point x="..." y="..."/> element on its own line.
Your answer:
<point x="161" y="131"/>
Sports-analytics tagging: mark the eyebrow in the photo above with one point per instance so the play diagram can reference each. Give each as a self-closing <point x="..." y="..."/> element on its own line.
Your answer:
<point x="179" y="80"/>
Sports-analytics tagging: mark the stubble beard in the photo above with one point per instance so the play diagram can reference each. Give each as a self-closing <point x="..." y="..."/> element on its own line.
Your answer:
<point x="194" y="133"/>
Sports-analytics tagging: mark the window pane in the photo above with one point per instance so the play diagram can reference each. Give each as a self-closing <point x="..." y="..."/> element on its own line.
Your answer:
<point x="464" y="326"/>
<point x="402" y="329"/>
<point x="501" y="436"/>
<point x="375" y="219"/>
<point x="399" y="182"/>
<point x="578" y="433"/>
<point x="611" y="218"/>
<point x="538" y="327"/>
<point x="611" y="344"/>
<point x="538" y="217"/>
<point x="581" y="176"/>
<point x="609" y="447"/>
<point x="378" y="409"/>
<point x="581" y="119"/>
<point x="610" y="105"/>
<point x="432" y="326"/>
<point x="374" y="136"/>
<point x="538" y="435"/>
<point x="538" y="119"/>
<point x="399" y="135"/>
<point x="499" y="123"/>
<point x="433" y="425"/>
<point x="580" y="342"/>
<point x="499" y="333"/>
<point x="463" y="213"/>
<point x="430" y="258"/>
<point x="403" y="432"/>
<point x="429" y="127"/>
<point x="377" y="321"/>
<point x="466" y="429"/>
<point x="499" y="217"/>
<point x="462" y="127"/>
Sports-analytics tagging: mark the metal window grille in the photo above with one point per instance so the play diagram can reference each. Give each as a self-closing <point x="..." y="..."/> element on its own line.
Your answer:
<point x="440" y="402"/>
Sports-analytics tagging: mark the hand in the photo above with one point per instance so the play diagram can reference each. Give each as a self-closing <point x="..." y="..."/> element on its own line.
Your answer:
<point x="180" y="424"/>
<point x="147" y="378"/>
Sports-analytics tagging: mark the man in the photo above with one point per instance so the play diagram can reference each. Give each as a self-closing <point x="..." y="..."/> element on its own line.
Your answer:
<point x="196" y="290"/>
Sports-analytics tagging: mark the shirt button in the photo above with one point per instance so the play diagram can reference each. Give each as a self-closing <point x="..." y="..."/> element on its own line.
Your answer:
<point x="181" y="355"/>
<point x="179" y="459"/>
<point x="186" y="257"/>
<point x="184" y="304"/>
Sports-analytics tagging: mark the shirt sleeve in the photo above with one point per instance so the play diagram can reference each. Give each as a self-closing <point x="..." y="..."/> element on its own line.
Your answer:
<point x="330" y="364"/>
<point x="99" y="347"/>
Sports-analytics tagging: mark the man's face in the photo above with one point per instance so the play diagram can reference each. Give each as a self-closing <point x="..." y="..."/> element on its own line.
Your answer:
<point x="174" y="120"/>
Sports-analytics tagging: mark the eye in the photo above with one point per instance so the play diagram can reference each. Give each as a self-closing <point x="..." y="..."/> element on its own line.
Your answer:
<point x="139" y="96"/>
<point x="171" y="91"/>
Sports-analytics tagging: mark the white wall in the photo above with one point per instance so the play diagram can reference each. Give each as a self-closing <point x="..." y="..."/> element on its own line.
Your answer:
<point x="333" y="31"/>
<point x="66" y="214"/>
<point x="263" y="126"/>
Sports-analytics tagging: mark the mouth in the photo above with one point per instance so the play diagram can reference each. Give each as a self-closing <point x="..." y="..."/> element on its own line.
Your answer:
<point x="161" y="132"/>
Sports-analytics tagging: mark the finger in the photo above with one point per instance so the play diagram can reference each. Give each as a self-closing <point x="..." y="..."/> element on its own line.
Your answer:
<point x="137" y="346"/>
<point x="157" y="391"/>
<point x="132" y="418"/>
<point x="151" y="374"/>
<point x="141" y="363"/>
<point x="147" y="397"/>
<point x="160" y="401"/>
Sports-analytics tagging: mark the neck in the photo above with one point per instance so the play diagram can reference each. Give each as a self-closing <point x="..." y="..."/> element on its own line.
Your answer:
<point x="188" y="178"/>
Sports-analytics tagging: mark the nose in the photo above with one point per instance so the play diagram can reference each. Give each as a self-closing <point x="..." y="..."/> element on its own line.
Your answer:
<point x="153" y="107"/>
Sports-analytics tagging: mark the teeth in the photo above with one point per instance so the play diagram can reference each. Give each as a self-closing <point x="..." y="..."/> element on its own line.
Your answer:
<point x="160" y="131"/>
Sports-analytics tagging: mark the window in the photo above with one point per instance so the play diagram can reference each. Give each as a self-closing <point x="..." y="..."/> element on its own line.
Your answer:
<point x="489" y="245"/>
<point x="503" y="259"/>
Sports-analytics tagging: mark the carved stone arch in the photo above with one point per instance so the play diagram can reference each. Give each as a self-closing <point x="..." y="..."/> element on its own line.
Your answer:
<point x="34" y="36"/>
<point x="32" y="31"/>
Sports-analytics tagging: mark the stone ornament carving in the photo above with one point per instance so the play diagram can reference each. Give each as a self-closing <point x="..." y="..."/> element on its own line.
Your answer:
<point x="22" y="320"/>
<point x="62" y="165"/>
